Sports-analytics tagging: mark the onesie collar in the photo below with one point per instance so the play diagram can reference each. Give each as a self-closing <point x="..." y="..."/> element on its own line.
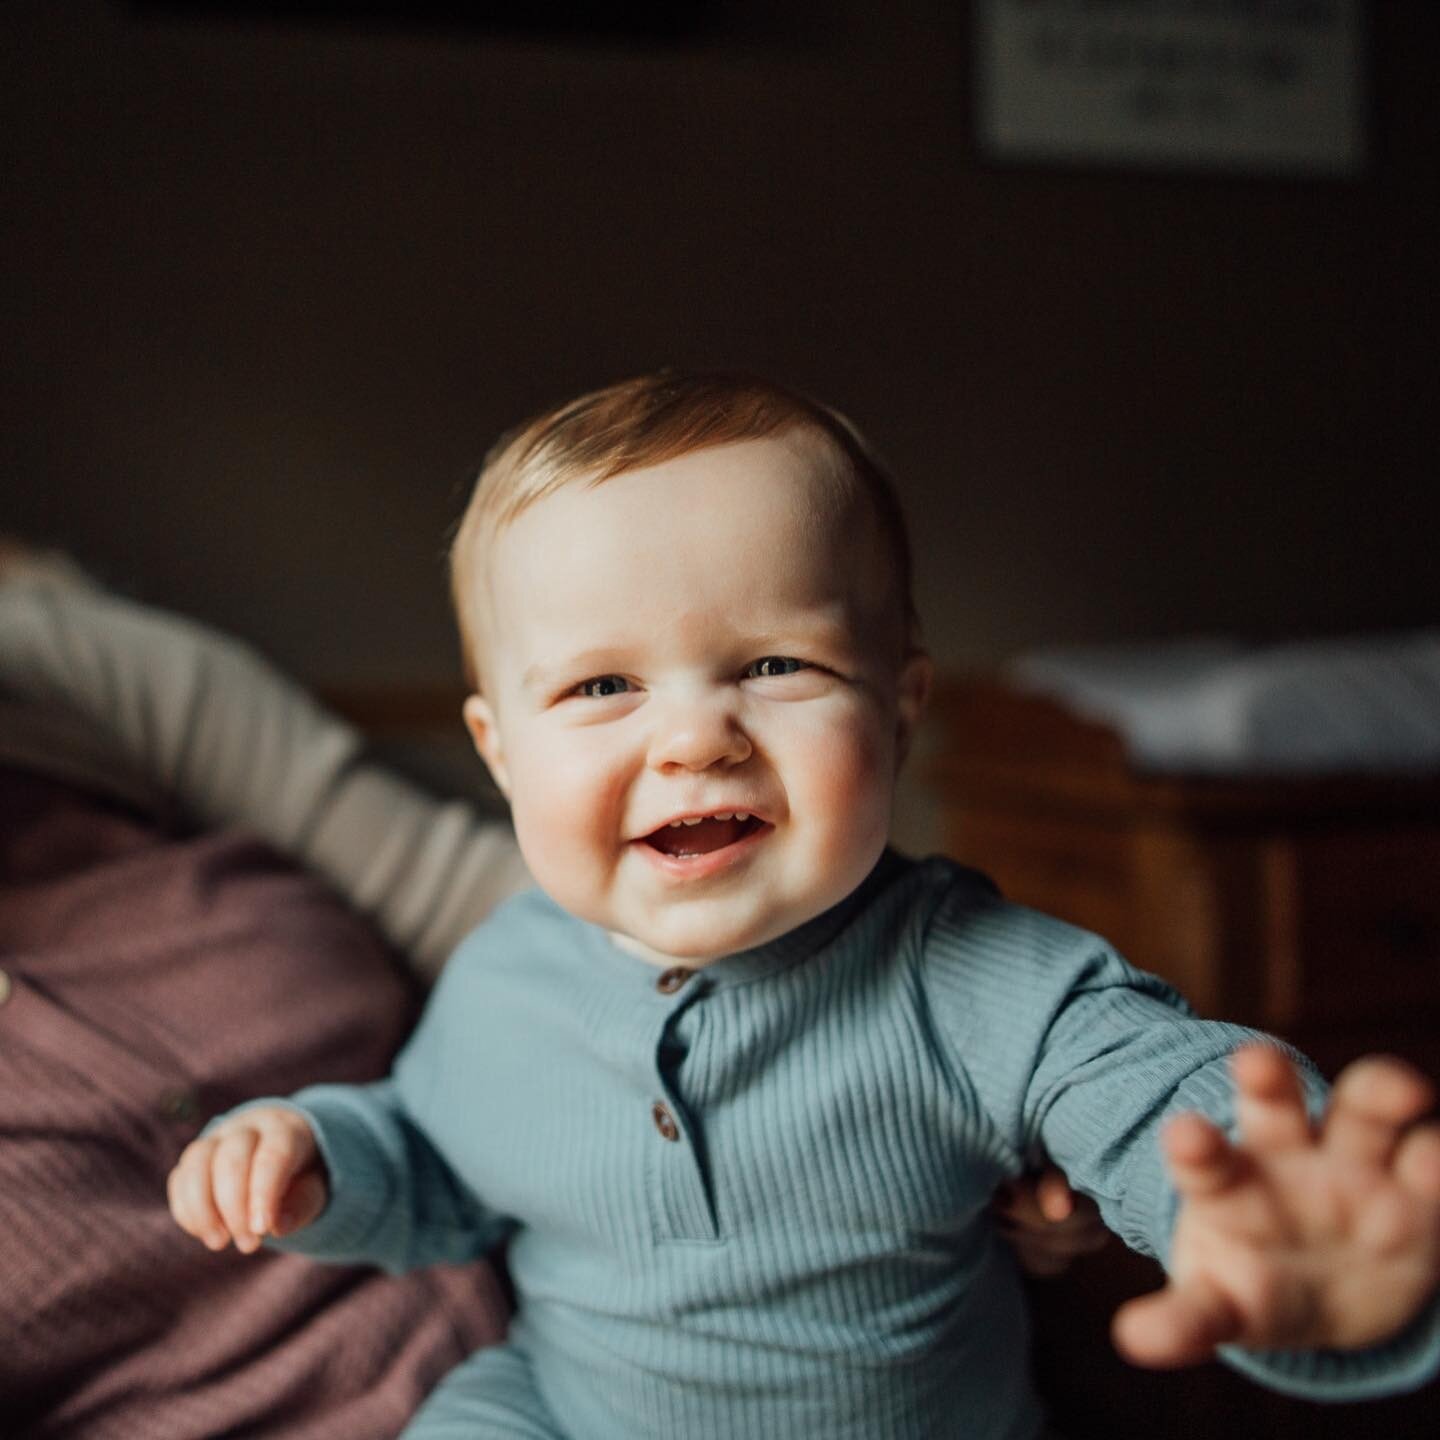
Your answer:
<point x="784" y="951"/>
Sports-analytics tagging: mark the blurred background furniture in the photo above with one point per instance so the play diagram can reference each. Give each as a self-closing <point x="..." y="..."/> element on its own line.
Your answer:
<point x="1307" y="905"/>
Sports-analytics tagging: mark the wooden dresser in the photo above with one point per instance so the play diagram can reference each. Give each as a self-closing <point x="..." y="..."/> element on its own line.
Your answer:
<point x="1310" y="907"/>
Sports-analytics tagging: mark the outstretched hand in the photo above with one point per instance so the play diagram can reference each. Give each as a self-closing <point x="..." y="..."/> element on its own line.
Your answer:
<point x="1297" y="1236"/>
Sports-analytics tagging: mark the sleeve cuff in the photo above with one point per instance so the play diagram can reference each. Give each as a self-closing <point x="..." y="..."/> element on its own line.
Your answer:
<point x="1396" y="1367"/>
<point x="358" y="1197"/>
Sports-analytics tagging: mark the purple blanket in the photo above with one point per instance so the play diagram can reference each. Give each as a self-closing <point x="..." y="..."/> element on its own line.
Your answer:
<point x="146" y="983"/>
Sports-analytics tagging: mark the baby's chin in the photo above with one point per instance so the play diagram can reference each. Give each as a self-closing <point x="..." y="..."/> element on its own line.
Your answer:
<point x="661" y="958"/>
<point x="696" y="947"/>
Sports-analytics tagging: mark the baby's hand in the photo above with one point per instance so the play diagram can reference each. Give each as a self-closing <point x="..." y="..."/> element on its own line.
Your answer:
<point x="1294" y="1239"/>
<point x="259" y="1173"/>
<point x="1046" y="1223"/>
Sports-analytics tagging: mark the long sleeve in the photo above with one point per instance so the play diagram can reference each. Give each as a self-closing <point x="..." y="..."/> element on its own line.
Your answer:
<point x="1071" y="1049"/>
<point x="394" y="1202"/>
<point x="151" y="700"/>
<point x="394" y="1199"/>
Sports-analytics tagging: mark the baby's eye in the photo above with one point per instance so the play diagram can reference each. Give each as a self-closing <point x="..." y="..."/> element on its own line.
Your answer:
<point x="775" y="665"/>
<point x="601" y="686"/>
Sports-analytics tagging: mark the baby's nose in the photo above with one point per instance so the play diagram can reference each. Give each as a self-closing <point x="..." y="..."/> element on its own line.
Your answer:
<point x="696" y="735"/>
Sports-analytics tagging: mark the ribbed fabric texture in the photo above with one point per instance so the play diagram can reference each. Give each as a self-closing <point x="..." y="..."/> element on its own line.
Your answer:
<point x="757" y="1206"/>
<point x="145" y="981"/>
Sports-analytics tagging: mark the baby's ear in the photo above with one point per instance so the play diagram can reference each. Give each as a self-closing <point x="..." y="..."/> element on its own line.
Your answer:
<point x="480" y="722"/>
<point x="916" y="676"/>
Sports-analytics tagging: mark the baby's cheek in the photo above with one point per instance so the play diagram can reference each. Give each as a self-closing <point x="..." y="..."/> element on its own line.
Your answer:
<point x="544" y="818"/>
<point x="852" y="782"/>
<point x="567" y="818"/>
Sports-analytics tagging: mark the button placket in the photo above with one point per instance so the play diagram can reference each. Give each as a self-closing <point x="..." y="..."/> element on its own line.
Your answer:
<point x="683" y="1208"/>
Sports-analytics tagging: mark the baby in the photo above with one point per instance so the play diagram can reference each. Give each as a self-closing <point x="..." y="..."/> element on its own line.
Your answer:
<point x="736" y="1084"/>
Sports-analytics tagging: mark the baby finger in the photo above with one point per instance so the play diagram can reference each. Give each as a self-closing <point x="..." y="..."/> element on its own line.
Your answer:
<point x="1269" y="1101"/>
<point x="230" y="1183"/>
<point x="1374" y="1099"/>
<point x="1417" y="1163"/>
<point x="1201" y="1160"/>
<point x="191" y="1199"/>
<point x="284" y="1151"/>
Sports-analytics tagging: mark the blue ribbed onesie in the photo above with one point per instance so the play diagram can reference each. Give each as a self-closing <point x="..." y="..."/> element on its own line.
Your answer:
<point x="751" y="1201"/>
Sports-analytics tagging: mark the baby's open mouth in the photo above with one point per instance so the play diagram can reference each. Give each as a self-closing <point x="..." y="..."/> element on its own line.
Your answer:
<point x="700" y="836"/>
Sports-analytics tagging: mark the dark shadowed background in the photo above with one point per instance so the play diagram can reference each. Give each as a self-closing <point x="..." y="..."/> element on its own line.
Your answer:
<point x="272" y="286"/>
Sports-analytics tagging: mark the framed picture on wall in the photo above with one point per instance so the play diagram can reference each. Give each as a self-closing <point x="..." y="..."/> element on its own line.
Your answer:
<point x="1260" y="86"/>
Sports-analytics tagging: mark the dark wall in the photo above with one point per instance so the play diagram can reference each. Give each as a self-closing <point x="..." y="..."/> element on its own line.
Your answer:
<point x="272" y="288"/>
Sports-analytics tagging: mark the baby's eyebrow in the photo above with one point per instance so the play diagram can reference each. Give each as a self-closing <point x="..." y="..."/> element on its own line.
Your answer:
<point x="818" y="629"/>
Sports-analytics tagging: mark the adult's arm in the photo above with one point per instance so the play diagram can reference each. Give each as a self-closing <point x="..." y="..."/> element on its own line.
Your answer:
<point x="203" y="718"/>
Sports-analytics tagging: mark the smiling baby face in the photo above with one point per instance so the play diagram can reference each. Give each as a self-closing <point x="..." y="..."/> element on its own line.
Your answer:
<point x="697" y="692"/>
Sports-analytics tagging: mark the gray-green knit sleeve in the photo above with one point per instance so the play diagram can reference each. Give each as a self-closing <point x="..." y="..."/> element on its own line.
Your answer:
<point x="1072" y="1050"/>
<point x="393" y="1200"/>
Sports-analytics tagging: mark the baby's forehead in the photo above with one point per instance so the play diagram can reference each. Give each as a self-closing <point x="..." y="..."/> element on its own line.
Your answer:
<point x="840" y="510"/>
<point x="785" y="496"/>
<point x="749" y="535"/>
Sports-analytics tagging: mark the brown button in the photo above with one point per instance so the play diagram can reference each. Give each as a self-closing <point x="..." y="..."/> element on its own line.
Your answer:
<point x="671" y="980"/>
<point x="181" y="1106"/>
<point x="664" y="1121"/>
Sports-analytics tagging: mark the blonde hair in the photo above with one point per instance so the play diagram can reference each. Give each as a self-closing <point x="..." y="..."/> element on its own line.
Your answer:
<point x="646" y="421"/>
